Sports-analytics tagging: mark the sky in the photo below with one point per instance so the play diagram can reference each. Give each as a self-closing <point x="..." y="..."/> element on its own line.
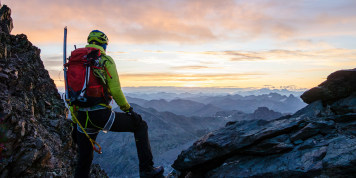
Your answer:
<point x="200" y="43"/>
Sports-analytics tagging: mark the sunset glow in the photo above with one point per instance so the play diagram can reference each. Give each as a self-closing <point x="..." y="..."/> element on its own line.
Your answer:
<point x="200" y="43"/>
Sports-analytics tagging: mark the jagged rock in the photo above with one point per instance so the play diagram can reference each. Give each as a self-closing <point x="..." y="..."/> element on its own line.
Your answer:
<point x="266" y="114"/>
<point x="97" y="172"/>
<point x="37" y="140"/>
<point x="338" y="85"/>
<point x="6" y="24"/>
<point x="317" y="141"/>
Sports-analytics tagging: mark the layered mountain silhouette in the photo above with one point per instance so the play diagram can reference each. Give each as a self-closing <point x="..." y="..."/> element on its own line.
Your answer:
<point x="208" y="106"/>
<point x="183" y="107"/>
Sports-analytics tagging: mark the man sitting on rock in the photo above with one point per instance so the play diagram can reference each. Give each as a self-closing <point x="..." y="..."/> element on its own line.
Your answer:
<point x="100" y="116"/>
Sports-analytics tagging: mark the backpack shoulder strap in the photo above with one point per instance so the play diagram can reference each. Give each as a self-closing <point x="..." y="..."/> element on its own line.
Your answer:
<point x="106" y="58"/>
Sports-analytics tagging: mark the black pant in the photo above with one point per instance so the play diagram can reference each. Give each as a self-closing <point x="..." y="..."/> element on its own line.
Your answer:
<point x="123" y="123"/>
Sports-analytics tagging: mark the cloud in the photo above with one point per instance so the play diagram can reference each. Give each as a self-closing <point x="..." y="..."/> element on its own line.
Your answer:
<point x="116" y="52"/>
<point x="331" y="54"/>
<point x="188" y="77"/>
<point x="154" y="51"/>
<point x="233" y="55"/>
<point x="192" y="67"/>
<point x="52" y="57"/>
<point x="193" y="21"/>
<point x="306" y="44"/>
<point x="189" y="80"/>
<point x="243" y="56"/>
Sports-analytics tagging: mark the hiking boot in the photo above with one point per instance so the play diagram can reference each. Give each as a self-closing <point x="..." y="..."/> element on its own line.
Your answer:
<point x="154" y="172"/>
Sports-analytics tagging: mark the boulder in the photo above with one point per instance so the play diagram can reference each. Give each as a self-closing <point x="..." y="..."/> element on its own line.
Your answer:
<point x="339" y="84"/>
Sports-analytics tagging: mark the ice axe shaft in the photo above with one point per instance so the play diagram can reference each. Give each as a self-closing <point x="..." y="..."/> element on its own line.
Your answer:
<point x="64" y="62"/>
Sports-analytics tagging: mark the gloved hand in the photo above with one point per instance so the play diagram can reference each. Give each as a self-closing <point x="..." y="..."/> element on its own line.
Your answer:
<point x="137" y="117"/>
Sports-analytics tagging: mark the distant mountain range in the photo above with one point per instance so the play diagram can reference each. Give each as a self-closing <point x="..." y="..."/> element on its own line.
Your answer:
<point x="170" y="93"/>
<point x="183" y="107"/>
<point x="208" y="106"/>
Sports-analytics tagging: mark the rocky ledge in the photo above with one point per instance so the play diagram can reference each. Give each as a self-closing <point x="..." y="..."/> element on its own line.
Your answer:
<point x="317" y="141"/>
<point x="35" y="134"/>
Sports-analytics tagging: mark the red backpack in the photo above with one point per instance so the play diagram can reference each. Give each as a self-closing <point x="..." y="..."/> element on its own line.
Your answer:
<point x="84" y="88"/>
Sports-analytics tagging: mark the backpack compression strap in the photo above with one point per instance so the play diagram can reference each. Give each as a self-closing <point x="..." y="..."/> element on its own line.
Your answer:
<point x="86" y="81"/>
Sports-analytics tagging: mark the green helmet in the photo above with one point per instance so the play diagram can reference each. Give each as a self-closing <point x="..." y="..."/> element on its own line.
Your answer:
<point x="98" y="36"/>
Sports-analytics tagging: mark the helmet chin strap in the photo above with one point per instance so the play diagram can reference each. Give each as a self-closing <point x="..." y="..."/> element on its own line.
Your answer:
<point x="104" y="46"/>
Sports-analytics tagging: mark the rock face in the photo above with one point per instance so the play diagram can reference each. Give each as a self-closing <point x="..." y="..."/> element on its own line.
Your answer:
<point x="317" y="141"/>
<point x="37" y="141"/>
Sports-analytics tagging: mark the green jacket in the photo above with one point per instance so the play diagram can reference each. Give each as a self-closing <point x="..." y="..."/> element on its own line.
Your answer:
<point x="113" y="82"/>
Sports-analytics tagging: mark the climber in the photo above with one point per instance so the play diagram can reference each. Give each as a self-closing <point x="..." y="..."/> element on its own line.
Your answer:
<point x="100" y="116"/>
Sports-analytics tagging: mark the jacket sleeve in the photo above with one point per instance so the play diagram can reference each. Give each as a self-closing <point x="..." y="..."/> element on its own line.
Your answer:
<point x="114" y="85"/>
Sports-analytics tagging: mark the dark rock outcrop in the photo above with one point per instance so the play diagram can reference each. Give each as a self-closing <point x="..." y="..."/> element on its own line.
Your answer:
<point x="37" y="141"/>
<point x="339" y="84"/>
<point x="317" y="141"/>
<point x="6" y="20"/>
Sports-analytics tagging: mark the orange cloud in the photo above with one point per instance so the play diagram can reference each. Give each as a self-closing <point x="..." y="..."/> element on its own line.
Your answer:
<point x="145" y="21"/>
<point x="196" y="80"/>
<point x="193" y="21"/>
<point x="330" y="54"/>
<point x="193" y="67"/>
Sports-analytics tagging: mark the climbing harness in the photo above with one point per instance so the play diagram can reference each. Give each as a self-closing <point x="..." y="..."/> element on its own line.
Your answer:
<point x="109" y="123"/>
<point x="93" y="142"/>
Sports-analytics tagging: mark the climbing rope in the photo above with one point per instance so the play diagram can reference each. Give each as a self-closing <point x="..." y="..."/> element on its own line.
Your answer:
<point x="93" y="142"/>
